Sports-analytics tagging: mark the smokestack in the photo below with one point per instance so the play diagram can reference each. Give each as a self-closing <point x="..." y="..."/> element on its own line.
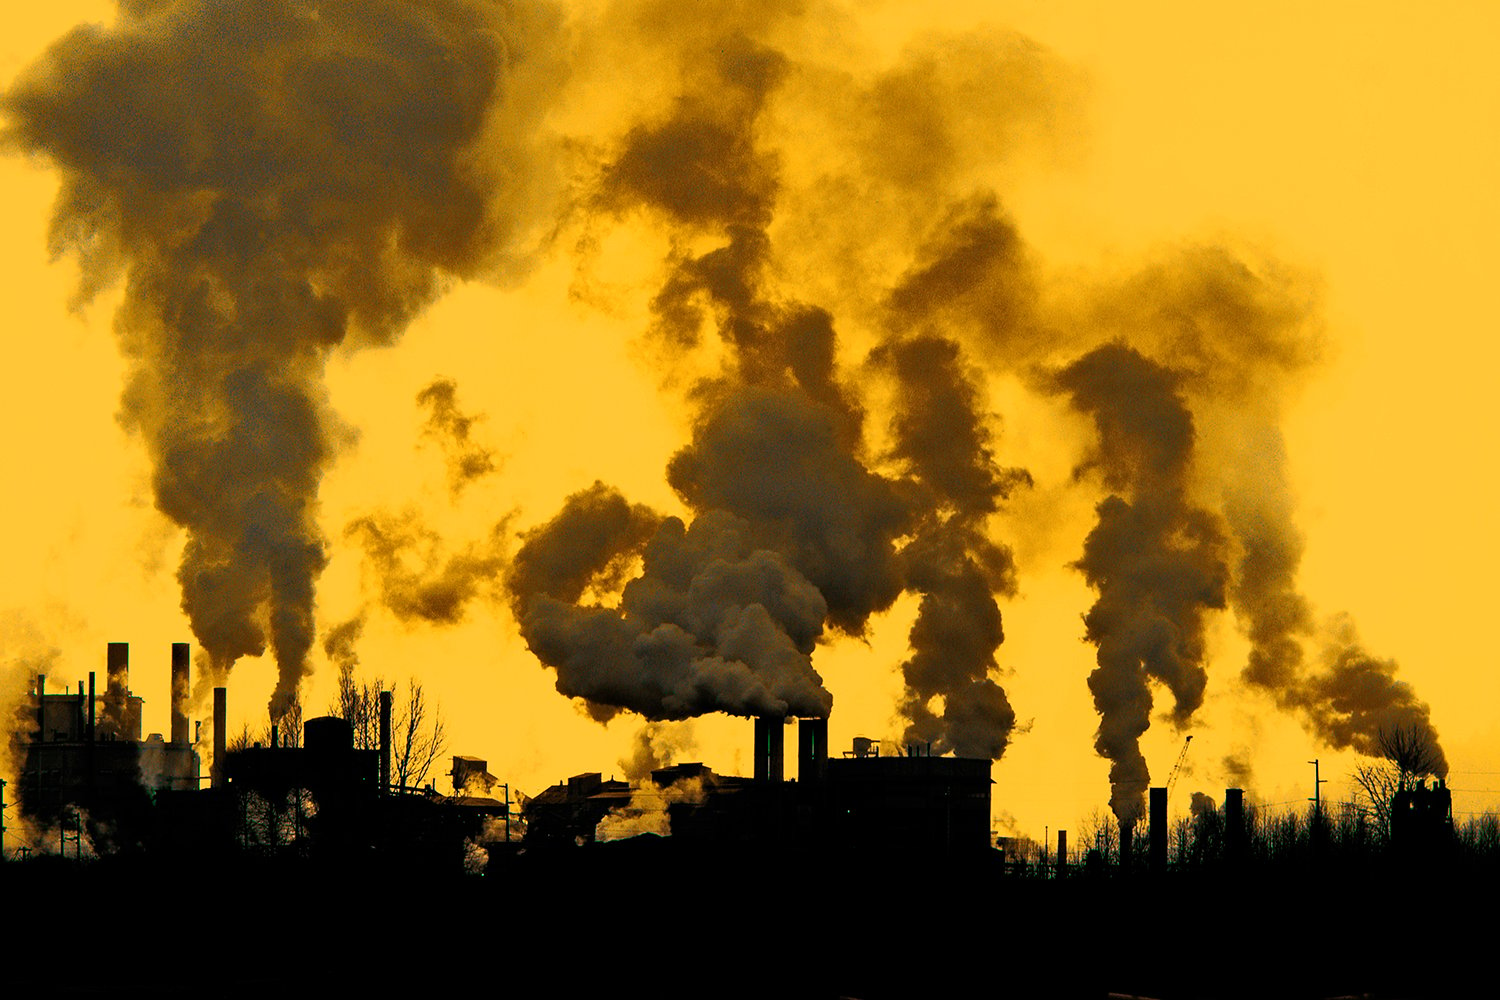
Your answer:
<point x="92" y="703"/>
<point x="41" y="710"/>
<point x="1127" y="837"/>
<point x="116" y="683"/>
<point x="221" y="722"/>
<point x="1158" y="853"/>
<point x="812" y="749"/>
<point x="1062" y="851"/>
<point x="179" y="692"/>
<point x="1234" y="824"/>
<point x="770" y="749"/>
<point x="385" y="742"/>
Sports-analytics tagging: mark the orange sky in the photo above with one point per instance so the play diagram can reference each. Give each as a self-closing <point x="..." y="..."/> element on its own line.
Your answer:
<point x="1358" y="152"/>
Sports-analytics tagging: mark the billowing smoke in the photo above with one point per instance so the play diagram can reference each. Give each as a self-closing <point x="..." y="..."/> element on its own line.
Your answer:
<point x="1355" y="698"/>
<point x="1237" y="769"/>
<point x="1239" y="336"/>
<point x="467" y="459"/>
<point x="341" y="644"/>
<point x="656" y="745"/>
<point x="1155" y="558"/>
<point x="777" y="475"/>
<point x="273" y="180"/>
<point x="940" y="437"/>
<point x="417" y="578"/>
<point x="712" y="624"/>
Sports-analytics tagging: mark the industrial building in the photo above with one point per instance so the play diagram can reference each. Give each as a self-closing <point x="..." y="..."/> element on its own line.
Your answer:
<point x="87" y="772"/>
<point x="86" y="755"/>
<point x="861" y="799"/>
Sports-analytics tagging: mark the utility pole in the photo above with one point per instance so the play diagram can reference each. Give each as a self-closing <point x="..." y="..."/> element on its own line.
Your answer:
<point x="1317" y="798"/>
<point x="2" y="819"/>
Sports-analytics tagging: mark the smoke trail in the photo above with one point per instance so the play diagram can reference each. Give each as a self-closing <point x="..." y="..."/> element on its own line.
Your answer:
<point x="1356" y="697"/>
<point x="942" y="440"/>
<point x="1154" y="557"/>
<point x="1242" y="337"/>
<point x="273" y="179"/>
<point x="777" y="458"/>
<point x="656" y="745"/>
<point x="418" y="579"/>
<point x="450" y="427"/>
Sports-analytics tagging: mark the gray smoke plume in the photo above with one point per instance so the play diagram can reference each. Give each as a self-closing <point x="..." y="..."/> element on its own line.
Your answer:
<point x="1241" y="338"/>
<point x="272" y="179"/>
<point x="656" y="745"/>
<point x="776" y="470"/>
<point x="942" y="440"/>
<point x="1356" y="696"/>
<point x="1155" y="558"/>
<point x="341" y="643"/>
<point x="418" y="578"/>
<point x="450" y="427"/>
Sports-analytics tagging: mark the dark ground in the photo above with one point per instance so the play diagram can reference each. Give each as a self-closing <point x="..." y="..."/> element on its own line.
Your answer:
<point x="649" y="918"/>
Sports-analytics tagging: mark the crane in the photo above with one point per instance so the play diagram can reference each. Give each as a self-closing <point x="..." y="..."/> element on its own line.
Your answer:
<point x="1177" y="767"/>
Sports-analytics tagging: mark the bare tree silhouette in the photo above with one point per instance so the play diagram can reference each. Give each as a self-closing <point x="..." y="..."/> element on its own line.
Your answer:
<point x="1407" y="755"/>
<point x="418" y="736"/>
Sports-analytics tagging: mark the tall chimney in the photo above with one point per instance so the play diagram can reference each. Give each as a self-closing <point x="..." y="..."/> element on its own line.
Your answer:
<point x="179" y="692"/>
<point x="93" y="703"/>
<point x="770" y="749"/>
<point x="1158" y="853"/>
<point x="1127" y="837"/>
<point x="41" y="708"/>
<point x="385" y="742"/>
<point x="812" y="749"/>
<point x="221" y="723"/>
<point x="1234" y="824"/>
<point x="1062" y="851"/>
<point x="116" y="682"/>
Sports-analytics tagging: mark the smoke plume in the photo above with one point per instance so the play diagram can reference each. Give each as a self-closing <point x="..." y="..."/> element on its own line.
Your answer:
<point x="656" y="745"/>
<point x="1155" y="558"/>
<point x="777" y="471"/>
<point x="272" y="180"/>
<point x="417" y="577"/>
<point x="450" y="427"/>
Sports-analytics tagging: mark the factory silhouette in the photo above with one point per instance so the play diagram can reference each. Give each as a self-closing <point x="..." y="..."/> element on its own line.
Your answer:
<point x="901" y="841"/>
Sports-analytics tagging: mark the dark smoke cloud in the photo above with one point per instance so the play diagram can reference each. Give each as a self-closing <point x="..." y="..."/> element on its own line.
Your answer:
<point x="973" y="273"/>
<point x="450" y="427"/>
<point x="1202" y="804"/>
<point x="1242" y="335"/>
<point x="942" y="440"/>
<point x="1356" y="696"/>
<point x="589" y="542"/>
<point x="778" y="455"/>
<point x="1154" y="557"/>
<point x="341" y="643"/>
<point x="1237" y="769"/>
<point x="711" y="625"/>
<point x="777" y="460"/>
<point x="418" y="579"/>
<point x="274" y="179"/>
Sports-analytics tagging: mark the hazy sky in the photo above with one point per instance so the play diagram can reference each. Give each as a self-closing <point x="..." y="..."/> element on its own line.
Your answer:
<point x="1340" y="167"/>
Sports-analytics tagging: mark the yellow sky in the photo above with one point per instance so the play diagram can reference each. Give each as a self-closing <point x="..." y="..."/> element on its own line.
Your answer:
<point x="1357" y="144"/>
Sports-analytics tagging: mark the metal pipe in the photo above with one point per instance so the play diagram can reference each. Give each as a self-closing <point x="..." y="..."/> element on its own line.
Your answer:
<point x="385" y="742"/>
<point x="1158" y="844"/>
<point x="221" y="722"/>
<point x="179" y="692"/>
